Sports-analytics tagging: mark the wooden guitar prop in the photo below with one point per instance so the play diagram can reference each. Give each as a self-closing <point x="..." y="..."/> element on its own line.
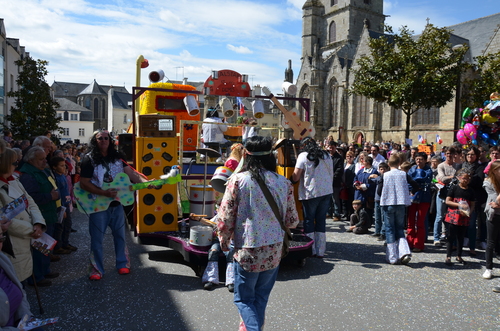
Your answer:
<point x="91" y="203"/>
<point x="301" y="129"/>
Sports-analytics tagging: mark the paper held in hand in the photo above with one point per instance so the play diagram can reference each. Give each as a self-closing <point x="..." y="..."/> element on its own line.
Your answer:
<point x="44" y="244"/>
<point x="29" y="324"/>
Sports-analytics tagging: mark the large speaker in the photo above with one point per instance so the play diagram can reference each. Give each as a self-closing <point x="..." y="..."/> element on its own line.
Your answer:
<point x="156" y="208"/>
<point x="125" y="145"/>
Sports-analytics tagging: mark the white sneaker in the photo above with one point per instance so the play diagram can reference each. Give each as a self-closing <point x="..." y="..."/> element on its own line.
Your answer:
<point x="487" y="274"/>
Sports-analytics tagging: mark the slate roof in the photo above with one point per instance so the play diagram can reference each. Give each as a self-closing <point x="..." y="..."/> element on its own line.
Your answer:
<point x="478" y="32"/>
<point x="67" y="89"/>
<point x="93" y="88"/>
<point x="120" y="100"/>
<point x="85" y="114"/>
<point x="3" y="33"/>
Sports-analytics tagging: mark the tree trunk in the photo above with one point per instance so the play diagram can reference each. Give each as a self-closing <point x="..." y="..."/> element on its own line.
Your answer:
<point x="407" y="128"/>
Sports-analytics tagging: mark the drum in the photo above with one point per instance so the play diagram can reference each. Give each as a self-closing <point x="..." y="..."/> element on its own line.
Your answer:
<point x="196" y="200"/>
<point x="219" y="178"/>
<point x="201" y="236"/>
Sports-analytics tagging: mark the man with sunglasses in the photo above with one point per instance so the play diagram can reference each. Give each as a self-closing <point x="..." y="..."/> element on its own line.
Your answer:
<point x="101" y="165"/>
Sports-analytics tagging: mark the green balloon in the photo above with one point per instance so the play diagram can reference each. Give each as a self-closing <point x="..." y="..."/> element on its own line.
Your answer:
<point x="467" y="112"/>
<point x="462" y="125"/>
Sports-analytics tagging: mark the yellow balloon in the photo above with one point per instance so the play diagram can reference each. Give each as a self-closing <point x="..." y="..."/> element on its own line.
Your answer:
<point x="489" y="119"/>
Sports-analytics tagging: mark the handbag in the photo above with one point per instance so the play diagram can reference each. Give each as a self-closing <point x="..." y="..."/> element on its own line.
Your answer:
<point x="288" y="234"/>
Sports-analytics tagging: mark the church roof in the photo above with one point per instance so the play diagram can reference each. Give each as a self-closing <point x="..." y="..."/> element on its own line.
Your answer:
<point x="3" y="33"/>
<point x="120" y="99"/>
<point x="478" y="32"/>
<point x="93" y="88"/>
<point x="67" y="105"/>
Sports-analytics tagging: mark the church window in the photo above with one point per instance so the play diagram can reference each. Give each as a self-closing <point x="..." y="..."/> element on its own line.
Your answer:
<point x="334" y="105"/>
<point x="426" y="116"/>
<point x="96" y="108"/>
<point x="65" y="118"/>
<point x="333" y="32"/>
<point x="396" y="116"/>
<point x="104" y="106"/>
<point x="334" y="2"/>
<point x="361" y="111"/>
<point x="87" y="102"/>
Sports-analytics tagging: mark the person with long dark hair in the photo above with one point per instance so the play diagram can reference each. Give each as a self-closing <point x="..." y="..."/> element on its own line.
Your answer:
<point x="476" y="170"/>
<point x="246" y="216"/>
<point x="101" y="165"/>
<point x="492" y="210"/>
<point x="314" y="170"/>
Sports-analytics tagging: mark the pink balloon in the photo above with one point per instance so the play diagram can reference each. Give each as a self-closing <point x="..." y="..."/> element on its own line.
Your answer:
<point x="461" y="137"/>
<point x="470" y="131"/>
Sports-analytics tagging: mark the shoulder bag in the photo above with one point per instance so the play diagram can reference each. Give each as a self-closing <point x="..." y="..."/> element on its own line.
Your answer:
<point x="288" y="234"/>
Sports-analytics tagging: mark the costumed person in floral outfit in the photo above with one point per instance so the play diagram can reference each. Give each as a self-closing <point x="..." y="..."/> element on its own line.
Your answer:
<point x="460" y="202"/>
<point x="246" y="216"/>
<point x="314" y="169"/>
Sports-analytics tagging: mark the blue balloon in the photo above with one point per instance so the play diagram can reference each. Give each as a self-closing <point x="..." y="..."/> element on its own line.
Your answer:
<point x="492" y="142"/>
<point x="474" y="141"/>
<point x="485" y="136"/>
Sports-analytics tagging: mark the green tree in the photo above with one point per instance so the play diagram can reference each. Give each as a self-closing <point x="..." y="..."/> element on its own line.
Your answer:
<point x="483" y="81"/>
<point x="34" y="111"/>
<point x="410" y="73"/>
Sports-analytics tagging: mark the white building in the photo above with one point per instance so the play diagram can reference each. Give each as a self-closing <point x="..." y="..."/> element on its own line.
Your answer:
<point x="77" y="122"/>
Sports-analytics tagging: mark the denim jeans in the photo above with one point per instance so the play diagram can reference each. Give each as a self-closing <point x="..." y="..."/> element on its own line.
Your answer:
<point x="395" y="222"/>
<point x="493" y="232"/>
<point x="379" y="219"/>
<point x="440" y="211"/>
<point x="251" y="293"/>
<point x="336" y="203"/>
<point x="315" y="210"/>
<point x="114" y="217"/>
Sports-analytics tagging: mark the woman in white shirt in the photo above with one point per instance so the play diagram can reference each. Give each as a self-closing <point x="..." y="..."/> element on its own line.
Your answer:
<point x="314" y="169"/>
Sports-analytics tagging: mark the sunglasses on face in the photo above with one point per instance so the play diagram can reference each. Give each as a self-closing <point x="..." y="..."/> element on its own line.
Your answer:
<point x="102" y="138"/>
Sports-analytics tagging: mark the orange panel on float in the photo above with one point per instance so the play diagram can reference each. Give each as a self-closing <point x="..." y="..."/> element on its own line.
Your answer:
<point x="172" y="104"/>
<point x="156" y="208"/>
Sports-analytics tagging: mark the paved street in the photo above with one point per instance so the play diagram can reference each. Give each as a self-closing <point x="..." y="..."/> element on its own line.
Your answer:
<point x="353" y="288"/>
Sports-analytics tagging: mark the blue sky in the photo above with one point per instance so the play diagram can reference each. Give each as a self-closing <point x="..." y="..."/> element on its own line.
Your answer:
<point x="86" y="40"/>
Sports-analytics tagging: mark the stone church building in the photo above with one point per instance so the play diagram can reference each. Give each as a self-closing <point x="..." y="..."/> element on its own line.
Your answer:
<point x="335" y="35"/>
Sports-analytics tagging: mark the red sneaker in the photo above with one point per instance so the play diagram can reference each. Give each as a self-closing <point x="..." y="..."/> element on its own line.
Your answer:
<point x="124" y="271"/>
<point x="95" y="277"/>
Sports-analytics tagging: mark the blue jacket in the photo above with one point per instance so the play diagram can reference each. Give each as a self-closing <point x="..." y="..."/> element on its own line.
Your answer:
<point x="424" y="178"/>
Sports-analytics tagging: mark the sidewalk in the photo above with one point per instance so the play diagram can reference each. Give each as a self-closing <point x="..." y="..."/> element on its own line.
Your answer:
<point x="353" y="288"/>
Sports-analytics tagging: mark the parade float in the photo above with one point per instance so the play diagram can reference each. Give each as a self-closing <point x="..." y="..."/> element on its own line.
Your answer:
<point x="165" y="136"/>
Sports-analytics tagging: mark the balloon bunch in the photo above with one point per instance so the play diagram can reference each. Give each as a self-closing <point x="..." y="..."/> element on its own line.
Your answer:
<point x="481" y="125"/>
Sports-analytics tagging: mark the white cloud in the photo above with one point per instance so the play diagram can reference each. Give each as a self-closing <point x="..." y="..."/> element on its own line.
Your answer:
<point x="239" y="49"/>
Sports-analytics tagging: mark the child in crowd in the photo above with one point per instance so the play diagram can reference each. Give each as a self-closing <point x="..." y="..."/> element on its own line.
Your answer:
<point x="59" y="167"/>
<point x="460" y="202"/>
<point x="394" y="197"/>
<point x="360" y="220"/>
<point x="379" y="216"/>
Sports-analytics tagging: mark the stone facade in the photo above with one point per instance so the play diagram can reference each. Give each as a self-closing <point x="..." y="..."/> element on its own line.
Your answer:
<point x="335" y="35"/>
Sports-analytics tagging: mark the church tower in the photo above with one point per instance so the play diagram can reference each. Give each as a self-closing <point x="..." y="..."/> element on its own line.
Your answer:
<point x="331" y="32"/>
